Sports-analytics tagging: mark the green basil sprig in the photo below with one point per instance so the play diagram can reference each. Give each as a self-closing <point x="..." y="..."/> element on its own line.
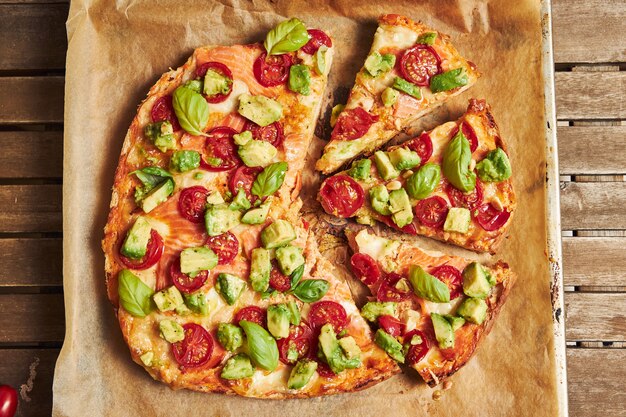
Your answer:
<point x="150" y="177"/>
<point x="135" y="296"/>
<point x="423" y="182"/>
<point x="449" y="80"/>
<point x="262" y="346"/>
<point x="495" y="167"/>
<point x="456" y="161"/>
<point x="191" y="109"/>
<point x="296" y="276"/>
<point x="311" y="290"/>
<point x="427" y="286"/>
<point x="270" y="179"/>
<point x="288" y="36"/>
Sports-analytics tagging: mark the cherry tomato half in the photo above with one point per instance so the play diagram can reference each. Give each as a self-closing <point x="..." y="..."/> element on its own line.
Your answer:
<point x="162" y="109"/>
<point x="432" y="211"/>
<point x="253" y="314"/>
<point x="391" y="325"/>
<point x="490" y="218"/>
<point x="409" y="229"/>
<point x="470" y="200"/>
<point x="423" y="145"/>
<point x="272" y="133"/>
<point x="278" y="280"/>
<point x="388" y="290"/>
<point x="331" y="312"/>
<point x="221" y="69"/>
<point x="272" y="70"/>
<point x="324" y="370"/>
<point x="8" y="401"/>
<point x="184" y="282"/>
<point x="419" y="63"/>
<point x="225" y="246"/>
<point x="416" y="352"/>
<point x="192" y="203"/>
<point x="341" y="196"/>
<point x="365" y="268"/>
<point x="152" y="256"/>
<point x="301" y="340"/>
<point x="220" y="151"/>
<point x="244" y="178"/>
<point x="450" y="276"/>
<point x="352" y="124"/>
<point x="195" y="349"/>
<point x="318" y="38"/>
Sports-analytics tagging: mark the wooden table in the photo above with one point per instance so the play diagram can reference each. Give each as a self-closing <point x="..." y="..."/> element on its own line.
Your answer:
<point x="590" y="59"/>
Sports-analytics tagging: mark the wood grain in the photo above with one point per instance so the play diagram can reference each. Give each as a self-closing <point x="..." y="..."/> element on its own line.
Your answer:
<point x="593" y="205"/>
<point x="594" y="261"/>
<point x="590" y="95"/>
<point x="595" y="316"/>
<point x="30" y="262"/>
<point x="31" y="99"/>
<point x="592" y="150"/>
<point x="31" y="318"/>
<point x="38" y="30"/>
<point x="30" y="208"/>
<point x="31" y="154"/>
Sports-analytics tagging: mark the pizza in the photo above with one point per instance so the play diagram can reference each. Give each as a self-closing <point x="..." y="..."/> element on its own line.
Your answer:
<point x="452" y="183"/>
<point x="217" y="285"/>
<point x="411" y="69"/>
<point x="432" y="310"/>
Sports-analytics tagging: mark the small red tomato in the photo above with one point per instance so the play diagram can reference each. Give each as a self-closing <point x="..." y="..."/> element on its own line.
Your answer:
<point x="8" y="401"/>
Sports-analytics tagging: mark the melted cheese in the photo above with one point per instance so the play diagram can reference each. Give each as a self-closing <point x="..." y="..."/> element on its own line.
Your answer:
<point x="376" y="247"/>
<point x="397" y="36"/>
<point x="232" y="102"/>
<point x="443" y="308"/>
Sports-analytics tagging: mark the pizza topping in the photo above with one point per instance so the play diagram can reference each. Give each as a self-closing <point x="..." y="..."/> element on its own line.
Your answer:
<point x="162" y="110"/>
<point x="279" y="281"/>
<point x="318" y="38"/>
<point x="423" y="145"/>
<point x="260" y="269"/>
<point x="394" y="287"/>
<point x="136" y="242"/>
<point x="449" y="80"/>
<point x="220" y="151"/>
<point x="427" y="38"/>
<point x="185" y="282"/>
<point x="417" y="346"/>
<point x="431" y="288"/>
<point x="252" y="314"/>
<point x="194" y="260"/>
<point x="335" y="113"/>
<point x="409" y="229"/>
<point x="183" y="161"/>
<point x="389" y="344"/>
<point x="490" y="218"/>
<point x="220" y="219"/>
<point x="423" y="182"/>
<point x="278" y="319"/>
<point x="324" y="370"/>
<point x="365" y="268"/>
<point x="341" y="196"/>
<point x="450" y="276"/>
<point x="230" y="287"/>
<point x="470" y="200"/>
<point x="270" y="179"/>
<point x="391" y="325"/>
<point x="272" y="133"/>
<point x="242" y="179"/>
<point x="169" y="299"/>
<point x="469" y="133"/>
<point x="406" y="87"/>
<point x="458" y="220"/>
<point x="171" y="331"/>
<point x="456" y="163"/>
<point x="372" y="310"/>
<point x="404" y="158"/>
<point x="237" y="367"/>
<point x="299" y="344"/>
<point x="432" y="211"/>
<point x="476" y="281"/>
<point x="271" y="71"/>
<point x="324" y="312"/>
<point x="288" y="36"/>
<point x="339" y="355"/>
<point x="389" y="96"/>
<point x="192" y="203"/>
<point x="320" y="60"/>
<point x="192" y="110"/>
<point x="301" y="374"/>
<point x="419" y="63"/>
<point x="218" y="81"/>
<point x="154" y="250"/>
<point x="385" y="168"/>
<point x="195" y="349"/>
<point x="257" y="153"/>
<point x="473" y="310"/>
<point x="277" y="234"/>
<point x="360" y="170"/>
<point x="134" y="294"/>
<point x="300" y="79"/>
<point x="289" y="258"/>
<point x="352" y="124"/>
<point x="261" y="346"/>
<point x="161" y="134"/>
<point x="377" y="64"/>
<point x="225" y="246"/>
<point x="157" y="186"/>
<point x="400" y="207"/>
<point x="230" y="336"/>
<point x="495" y="167"/>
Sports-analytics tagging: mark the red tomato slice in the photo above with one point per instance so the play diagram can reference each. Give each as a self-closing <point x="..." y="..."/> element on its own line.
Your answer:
<point x="432" y="211"/>
<point x="450" y="276"/>
<point x="470" y="200"/>
<point x="278" y="280"/>
<point x="324" y="370"/>
<point x="423" y="145"/>
<point x="391" y="325"/>
<point x="341" y="196"/>
<point x="243" y="178"/>
<point x="408" y="229"/>
<point x="184" y="282"/>
<point x="365" y="268"/>
<point x="195" y="349"/>
<point x="388" y="291"/>
<point x="221" y="148"/>
<point x="152" y="256"/>
<point x="225" y="246"/>
<point x="8" y="401"/>
<point x="272" y="70"/>
<point x="221" y="69"/>
<point x="162" y="109"/>
<point x="490" y="218"/>
<point x="253" y="314"/>
<point x="192" y="203"/>
<point x="331" y="312"/>
<point x="353" y="124"/>
<point x="469" y="133"/>
<point x="419" y="63"/>
<point x="415" y="353"/>
<point x="273" y="133"/>
<point x="300" y="339"/>
<point x="318" y="38"/>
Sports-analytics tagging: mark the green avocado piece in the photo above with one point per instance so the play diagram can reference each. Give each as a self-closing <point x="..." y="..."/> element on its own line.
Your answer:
<point x="294" y="312"/>
<point x="171" y="331"/>
<point x="349" y="347"/>
<point x="360" y="170"/>
<point x="230" y="336"/>
<point x="230" y="287"/>
<point x="379" y="199"/>
<point x="136" y="243"/>
<point x="377" y="64"/>
<point x="473" y="310"/>
<point x="404" y="158"/>
<point x="389" y="344"/>
<point x="194" y="85"/>
<point x="289" y="258"/>
<point x="300" y="79"/>
<point x="495" y="167"/>
<point x="278" y="319"/>
<point x="161" y="134"/>
<point x="386" y="169"/>
<point x="335" y="112"/>
<point x="427" y="38"/>
<point x="455" y="322"/>
<point x="183" y="161"/>
<point x="194" y="260"/>
<point x="147" y="358"/>
<point x="215" y="83"/>
<point x="301" y="374"/>
<point x="457" y="220"/>
<point x="260" y="267"/>
<point x="389" y="96"/>
<point x="257" y="153"/>
<point x="198" y="303"/>
<point x="475" y="282"/>
<point x="406" y="87"/>
<point x="240" y="202"/>
<point x="260" y="109"/>
<point x="333" y="353"/>
<point x="374" y="309"/>
<point x="257" y="215"/>
<point x="242" y="138"/>
<point x="400" y="207"/>
<point x="448" y="80"/>
<point x="220" y="219"/>
<point x="157" y="195"/>
<point x="237" y="367"/>
<point x="443" y="331"/>
<point x="277" y="234"/>
<point x="214" y="198"/>
<point x="168" y="299"/>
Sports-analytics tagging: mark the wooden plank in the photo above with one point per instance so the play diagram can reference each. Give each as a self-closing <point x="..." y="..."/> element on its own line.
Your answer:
<point x="596" y="37"/>
<point x="30" y="208"/>
<point x="593" y="150"/>
<point x="37" y="29"/>
<point x="31" y="99"/>
<point x="30" y="262"/>
<point x="595" y="382"/>
<point x="31" y="154"/>
<point x="593" y="205"/>
<point x="31" y="318"/>
<point x="30" y="372"/>
<point x="595" y="316"/>
<point x="594" y="261"/>
<point x="590" y="95"/>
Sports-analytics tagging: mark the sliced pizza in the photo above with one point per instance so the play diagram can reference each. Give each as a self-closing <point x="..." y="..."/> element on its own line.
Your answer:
<point x="411" y="69"/>
<point x="432" y="310"/>
<point x="452" y="183"/>
<point x="216" y="285"/>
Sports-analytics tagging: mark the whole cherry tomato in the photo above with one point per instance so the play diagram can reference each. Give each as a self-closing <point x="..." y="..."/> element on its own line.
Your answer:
<point x="8" y="401"/>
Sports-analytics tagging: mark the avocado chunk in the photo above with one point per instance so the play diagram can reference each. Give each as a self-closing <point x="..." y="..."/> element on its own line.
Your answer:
<point x="300" y="79"/>
<point x="360" y="170"/>
<point x="389" y="344"/>
<point x="443" y="331"/>
<point x="400" y="207"/>
<point x="301" y="374"/>
<point x="374" y="309"/>
<point x="406" y="87"/>
<point x="237" y="367"/>
<point x="257" y="153"/>
<point x="198" y="303"/>
<point x="379" y="199"/>
<point x="183" y="161"/>
<point x="147" y="358"/>
<point x="335" y="112"/>
<point x="277" y="234"/>
<point x="389" y="96"/>
<point x="403" y="158"/>
<point x="161" y="134"/>
<point x="194" y="260"/>
<point x="473" y="310"/>
<point x="349" y="347"/>
<point x="457" y="220"/>
<point x="455" y="322"/>
<point x="475" y="282"/>
<point x="240" y="202"/>
<point x="294" y="312"/>
<point x="157" y="195"/>
<point x="427" y="38"/>
<point x="168" y="299"/>
<point x="214" y="198"/>
<point x="289" y="258"/>
<point x="377" y="64"/>
<point x="242" y="138"/>
<point x="171" y="331"/>
<point x="448" y="80"/>
<point x="495" y="167"/>
<point x="136" y="243"/>
<point x="230" y="287"/>
<point x="260" y="267"/>
<point x="260" y="109"/>
<point x="215" y="83"/>
<point x="278" y="318"/>
<point x="220" y="219"/>
<point x="230" y="336"/>
<point x="257" y="215"/>
<point x="333" y="353"/>
<point x="386" y="169"/>
<point x="427" y="286"/>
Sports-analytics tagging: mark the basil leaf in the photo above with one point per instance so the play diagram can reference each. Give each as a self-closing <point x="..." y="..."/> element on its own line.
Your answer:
<point x="311" y="290"/>
<point x="403" y="85"/>
<point x="320" y="60"/>
<point x="150" y="177"/>
<point x="191" y="109"/>
<point x="300" y="79"/>
<point x="448" y="80"/>
<point x="423" y="182"/>
<point x="270" y="179"/>
<point x="134" y="294"/>
<point x="427" y="286"/>
<point x="261" y="346"/>
<point x="495" y="167"/>
<point x="456" y="161"/>
<point x="296" y="276"/>
<point x="288" y="36"/>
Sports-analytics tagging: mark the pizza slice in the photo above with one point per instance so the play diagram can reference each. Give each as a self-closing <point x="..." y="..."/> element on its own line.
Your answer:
<point x="432" y="310"/>
<point x="452" y="183"/>
<point x="411" y="69"/>
<point x="215" y="283"/>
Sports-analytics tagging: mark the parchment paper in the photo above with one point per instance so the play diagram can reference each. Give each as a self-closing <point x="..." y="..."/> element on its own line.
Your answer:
<point x="117" y="50"/>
